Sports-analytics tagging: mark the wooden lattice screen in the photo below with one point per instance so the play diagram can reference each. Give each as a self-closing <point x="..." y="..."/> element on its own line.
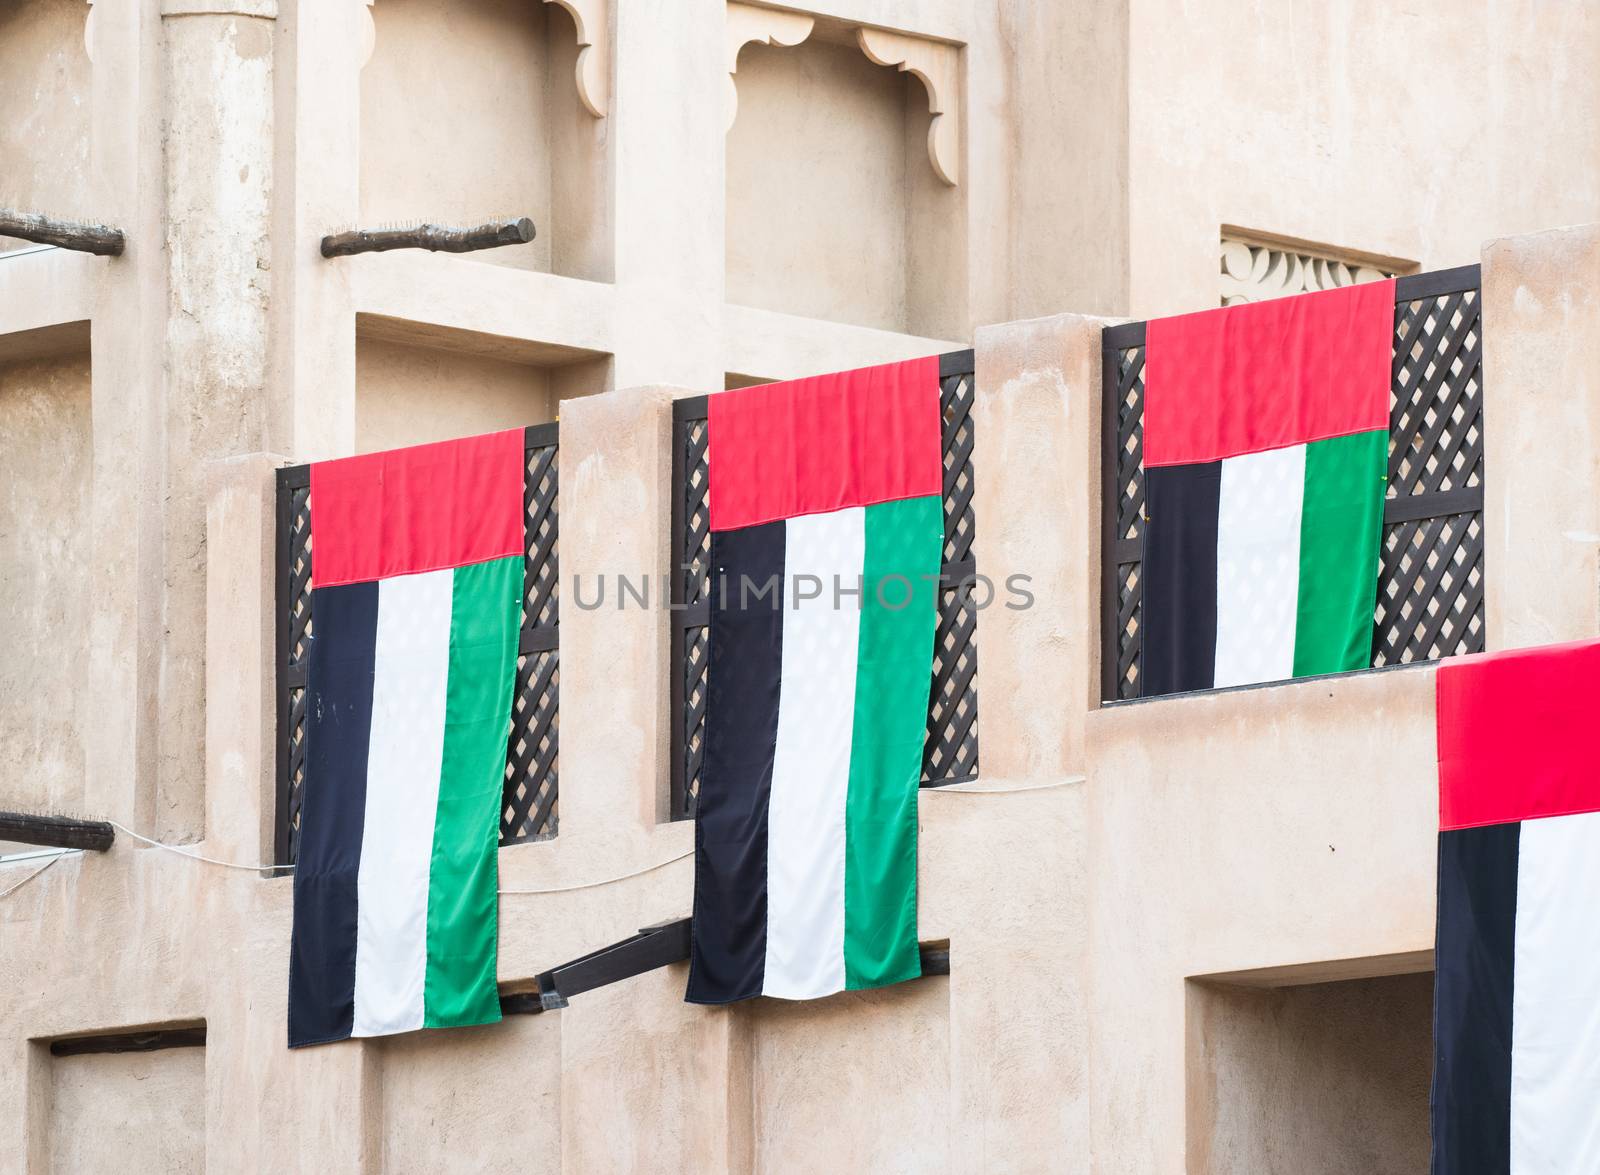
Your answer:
<point x="530" y="810"/>
<point x="950" y="750"/>
<point x="1431" y="579"/>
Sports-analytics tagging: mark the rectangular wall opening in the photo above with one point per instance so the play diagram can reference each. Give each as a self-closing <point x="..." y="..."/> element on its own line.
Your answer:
<point x="1313" y="1079"/>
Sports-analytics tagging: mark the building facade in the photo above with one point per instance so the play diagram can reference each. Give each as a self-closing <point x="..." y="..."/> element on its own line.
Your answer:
<point x="1189" y="933"/>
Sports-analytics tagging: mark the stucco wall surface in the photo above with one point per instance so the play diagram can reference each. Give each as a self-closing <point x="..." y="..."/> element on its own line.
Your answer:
<point x="1416" y="130"/>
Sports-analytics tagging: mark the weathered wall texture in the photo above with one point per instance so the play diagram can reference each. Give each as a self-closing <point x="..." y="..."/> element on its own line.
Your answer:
<point x="1185" y="933"/>
<point x="46" y="454"/>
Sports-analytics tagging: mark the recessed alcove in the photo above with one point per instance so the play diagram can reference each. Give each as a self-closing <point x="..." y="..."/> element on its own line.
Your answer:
<point x="470" y="110"/>
<point x="834" y="209"/>
<point x="46" y="563"/>
<point x="1313" y="1079"/>
<point x="127" y="1111"/>
<point x="44" y="109"/>
<point x="415" y="385"/>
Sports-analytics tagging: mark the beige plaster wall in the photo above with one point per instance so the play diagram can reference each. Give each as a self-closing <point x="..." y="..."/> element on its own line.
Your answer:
<point x="1317" y="1079"/>
<point x="128" y="1112"/>
<point x="46" y="448"/>
<point x="1417" y="130"/>
<point x="44" y="109"/>
<point x="479" y="1100"/>
<point x="833" y="210"/>
<point x="879" y="1061"/>
<point x="1239" y="831"/>
<point x="1067" y="196"/>
<point x="410" y="395"/>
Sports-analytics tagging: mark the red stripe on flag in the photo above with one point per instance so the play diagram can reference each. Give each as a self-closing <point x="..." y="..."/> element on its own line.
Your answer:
<point x="810" y="446"/>
<point x="1264" y="375"/>
<point x="418" y="509"/>
<point x="1518" y="736"/>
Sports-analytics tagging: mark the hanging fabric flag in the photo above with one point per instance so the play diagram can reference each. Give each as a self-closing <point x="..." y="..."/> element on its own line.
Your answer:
<point x="1265" y="453"/>
<point x="1516" y="1076"/>
<point x="416" y="588"/>
<point x="826" y="538"/>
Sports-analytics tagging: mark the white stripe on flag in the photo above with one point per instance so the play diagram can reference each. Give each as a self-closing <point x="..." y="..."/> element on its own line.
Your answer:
<point x="411" y="666"/>
<point x="1555" y="1015"/>
<point x="811" y="766"/>
<point x="1258" y="565"/>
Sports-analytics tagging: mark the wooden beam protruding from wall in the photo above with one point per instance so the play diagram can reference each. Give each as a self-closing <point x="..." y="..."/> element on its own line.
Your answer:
<point x="56" y="832"/>
<point x="99" y="239"/>
<point x="436" y="238"/>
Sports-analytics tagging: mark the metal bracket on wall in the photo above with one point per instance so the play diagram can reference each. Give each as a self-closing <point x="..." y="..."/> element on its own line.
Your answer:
<point x="654" y="946"/>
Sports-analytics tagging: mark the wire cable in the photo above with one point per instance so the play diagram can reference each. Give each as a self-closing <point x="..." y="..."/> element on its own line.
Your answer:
<point x="193" y="856"/>
<point x="606" y="881"/>
<point x="966" y="789"/>
<point x="6" y="893"/>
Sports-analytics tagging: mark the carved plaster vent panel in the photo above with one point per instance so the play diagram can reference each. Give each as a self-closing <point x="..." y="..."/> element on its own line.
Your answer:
<point x="1254" y="268"/>
<point x="936" y="64"/>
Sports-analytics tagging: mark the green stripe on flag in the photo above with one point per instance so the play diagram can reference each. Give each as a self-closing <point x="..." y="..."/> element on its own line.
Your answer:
<point x="894" y="666"/>
<point x="1341" y="526"/>
<point x="464" y="874"/>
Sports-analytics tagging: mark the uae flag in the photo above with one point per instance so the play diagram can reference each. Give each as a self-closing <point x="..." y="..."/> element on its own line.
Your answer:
<point x="416" y="588"/>
<point x="826" y="538"/>
<point x="1516" y="1079"/>
<point x="1265" y="453"/>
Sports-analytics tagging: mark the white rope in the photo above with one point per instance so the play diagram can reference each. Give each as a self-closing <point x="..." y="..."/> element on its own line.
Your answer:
<point x="607" y="881"/>
<point x="966" y="789"/>
<point x="193" y="856"/>
<point x="6" y="893"/>
<point x="963" y="789"/>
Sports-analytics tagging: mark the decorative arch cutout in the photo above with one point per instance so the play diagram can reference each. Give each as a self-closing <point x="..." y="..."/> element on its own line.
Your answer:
<point x="937" y="64"/>
<point x="766" y="26"/>
<point x="593" y="70"/>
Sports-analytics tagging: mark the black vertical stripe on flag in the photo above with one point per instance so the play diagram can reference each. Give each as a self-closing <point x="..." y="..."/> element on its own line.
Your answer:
<point x="1180" y="577"/>
<point x="322" y="955"/>
<point x="1472" y="987"/>
<point x="729" y="948"/>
